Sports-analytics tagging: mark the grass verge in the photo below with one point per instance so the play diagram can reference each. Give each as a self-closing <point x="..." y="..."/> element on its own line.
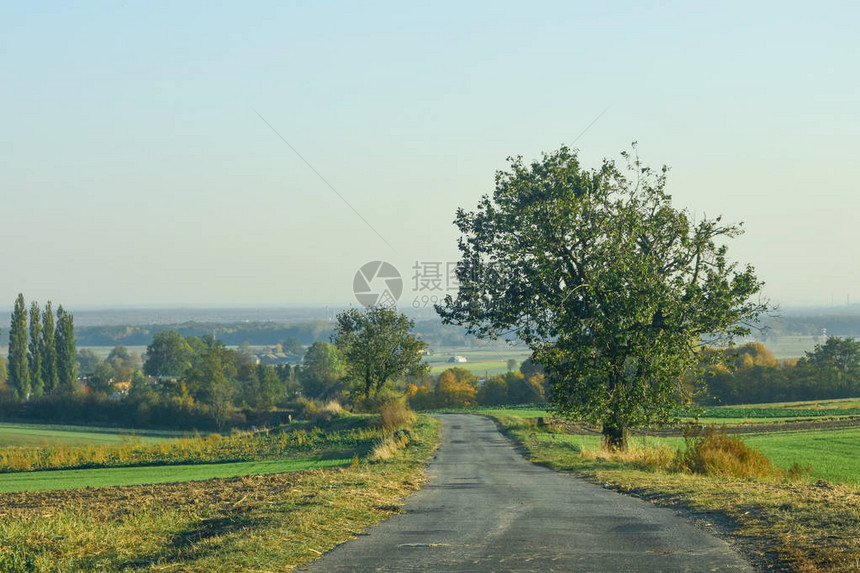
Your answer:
<point x="802" y="526"/>
<point x="258" y="523"/>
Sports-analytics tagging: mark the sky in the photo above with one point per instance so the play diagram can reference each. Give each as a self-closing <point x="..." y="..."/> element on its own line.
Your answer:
<point x="259" y="153"/>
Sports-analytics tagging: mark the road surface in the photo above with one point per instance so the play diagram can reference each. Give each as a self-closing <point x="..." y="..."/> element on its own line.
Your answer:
<point x="485" y="508"/>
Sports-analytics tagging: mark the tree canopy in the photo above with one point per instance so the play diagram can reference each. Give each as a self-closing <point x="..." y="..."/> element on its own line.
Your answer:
<point x="611" y="286"/>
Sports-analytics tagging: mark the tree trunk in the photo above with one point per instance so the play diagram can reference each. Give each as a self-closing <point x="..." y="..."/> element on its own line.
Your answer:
<point x="614" y="437"/>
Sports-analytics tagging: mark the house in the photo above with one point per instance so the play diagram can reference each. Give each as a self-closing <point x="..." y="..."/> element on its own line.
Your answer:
<point x="457" y="359"/>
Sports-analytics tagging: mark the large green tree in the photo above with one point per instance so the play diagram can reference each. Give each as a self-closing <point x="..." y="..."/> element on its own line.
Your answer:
<point x="19" y="372"/>
<point x="48" y="349"/>
<point x="611" y="286"/>
<point x="35" y="350"/>
<point x="64" y="340"/>
<point x="377" y="345"/>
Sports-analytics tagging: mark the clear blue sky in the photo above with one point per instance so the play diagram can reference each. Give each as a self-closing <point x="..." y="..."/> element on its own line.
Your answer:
<point x="135" y="171"/>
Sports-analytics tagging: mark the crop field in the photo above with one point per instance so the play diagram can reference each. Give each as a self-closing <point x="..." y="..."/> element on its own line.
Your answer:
<point x="350" y="436"/>
<point x="833" y="455"/>
<point x="481" y="360"/>
<point x="270" y="517"/>
<point x="46" y="435"/>
<point x="126" y="476"/>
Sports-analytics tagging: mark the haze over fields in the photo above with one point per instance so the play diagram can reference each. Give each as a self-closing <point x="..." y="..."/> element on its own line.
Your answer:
<point x="141" y="164"/>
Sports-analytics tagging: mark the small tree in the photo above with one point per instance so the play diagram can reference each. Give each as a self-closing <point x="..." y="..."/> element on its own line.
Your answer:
<point x="454" y="392"/>
<point x="101" y="380"/>
<point x="611" y="287"/>
<point x="493" y="392"/>
<point x="377" y="346"/>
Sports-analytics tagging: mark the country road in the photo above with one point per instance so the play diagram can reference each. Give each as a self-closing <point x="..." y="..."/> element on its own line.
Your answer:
<point x="485" y="508"/>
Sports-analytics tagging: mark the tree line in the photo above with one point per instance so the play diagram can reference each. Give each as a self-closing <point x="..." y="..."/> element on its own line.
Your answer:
<point x="750" y="374"/>
<point x="42" y="350"/>
<point x="198" y="382"/>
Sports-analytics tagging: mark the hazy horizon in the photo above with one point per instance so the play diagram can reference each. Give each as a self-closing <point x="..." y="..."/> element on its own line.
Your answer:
<point x="141" y="169"/>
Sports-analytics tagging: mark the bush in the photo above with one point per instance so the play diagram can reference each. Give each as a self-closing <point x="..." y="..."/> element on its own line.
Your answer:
<point x="395" y="414"/>
<point x="330" y="410"/>
<point x="306" y="409"/>
<point x="715" y="453"/>
<point x="373" y="404"/>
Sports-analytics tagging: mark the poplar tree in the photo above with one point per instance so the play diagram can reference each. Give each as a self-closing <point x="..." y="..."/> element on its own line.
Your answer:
<point x="35" y="356"/>
<point x="49" y="351"/>
<point x="67" y="371"/>
<point x="19" y="374"/>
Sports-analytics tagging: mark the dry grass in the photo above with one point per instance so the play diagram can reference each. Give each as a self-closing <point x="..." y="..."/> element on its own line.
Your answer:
<point x="652" y="459"/>
<point x="387" y="447"/>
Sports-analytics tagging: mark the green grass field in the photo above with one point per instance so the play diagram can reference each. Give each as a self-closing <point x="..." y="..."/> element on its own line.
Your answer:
<point x="832" y="454"/>
<point x="479" y="369"/>
<point x="40" y="434"/>
<point x="73" y="479"/>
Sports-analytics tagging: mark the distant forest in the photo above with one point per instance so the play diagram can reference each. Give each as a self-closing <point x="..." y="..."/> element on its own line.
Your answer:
<point x="838" y="321"/>
<point x="253" y="333"/>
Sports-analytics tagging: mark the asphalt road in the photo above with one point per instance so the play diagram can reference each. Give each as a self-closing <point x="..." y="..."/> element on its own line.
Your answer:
<point x="486" y="508"/>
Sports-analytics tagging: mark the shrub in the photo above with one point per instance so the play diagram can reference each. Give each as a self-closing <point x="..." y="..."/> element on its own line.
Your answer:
<point x="328" y="411"/>
<point x="306" y="409"/>
<point x="715" y="453"/>
<point x="372" y="404"/>
<point x="395" y="414"/>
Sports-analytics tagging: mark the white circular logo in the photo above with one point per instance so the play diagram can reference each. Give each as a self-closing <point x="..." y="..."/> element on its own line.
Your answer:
<point x="377" y="283"/>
